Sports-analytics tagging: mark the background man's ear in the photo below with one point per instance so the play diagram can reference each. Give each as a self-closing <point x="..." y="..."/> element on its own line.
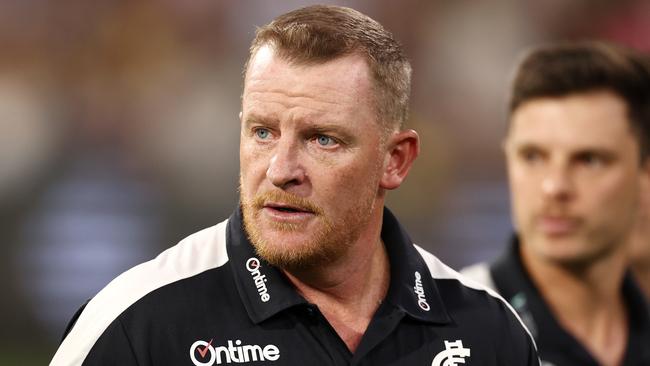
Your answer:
<point x="403" y="148"/>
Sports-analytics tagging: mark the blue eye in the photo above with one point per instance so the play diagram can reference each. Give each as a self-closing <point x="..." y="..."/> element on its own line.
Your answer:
<point x="262" y="133"/>
<point x="324" y="140"/>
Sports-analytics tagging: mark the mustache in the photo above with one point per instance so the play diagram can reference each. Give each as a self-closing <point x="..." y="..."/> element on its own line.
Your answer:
<point x="281" y="197"/>
<point x="557" y="211"/>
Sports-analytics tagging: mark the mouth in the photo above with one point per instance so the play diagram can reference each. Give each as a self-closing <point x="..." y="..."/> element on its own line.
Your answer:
<point x="558" y="225"/>
<point x="284" y="211"/>
<point x="284" y="208"/>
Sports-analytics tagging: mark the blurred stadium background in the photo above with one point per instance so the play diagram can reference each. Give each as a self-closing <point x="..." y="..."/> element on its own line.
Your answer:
<point x="119" y="131"/>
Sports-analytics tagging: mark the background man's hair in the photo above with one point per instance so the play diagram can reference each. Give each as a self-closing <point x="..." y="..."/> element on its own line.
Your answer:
<point x="566" y="68"/>
<point x="317" y="34"/>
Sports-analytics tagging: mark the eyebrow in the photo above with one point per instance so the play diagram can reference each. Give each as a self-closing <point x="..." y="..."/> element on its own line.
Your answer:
<point x="327" y="128"/>
<point x="524" y="145"/>
<point x="608" y="154"/>
<point x="323" y="127"/>
<point x="578" y="150"/>
<point x="259" y="120"/>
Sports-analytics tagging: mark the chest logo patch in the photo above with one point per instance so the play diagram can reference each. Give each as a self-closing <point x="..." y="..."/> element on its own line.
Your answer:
<point x="453" y="355"/>
<point x="204" y="353"/>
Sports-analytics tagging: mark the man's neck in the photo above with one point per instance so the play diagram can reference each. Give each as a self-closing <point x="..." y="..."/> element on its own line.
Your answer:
<point x="588" y="302"/>
<point x="349" y="291"/>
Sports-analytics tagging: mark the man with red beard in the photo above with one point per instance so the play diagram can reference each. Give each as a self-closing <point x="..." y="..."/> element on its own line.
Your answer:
<point x="312" y="269"/>
<point x="577" y="152"/>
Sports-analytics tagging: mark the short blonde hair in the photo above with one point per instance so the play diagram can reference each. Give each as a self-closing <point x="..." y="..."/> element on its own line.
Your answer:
<point x="320" y="33"/>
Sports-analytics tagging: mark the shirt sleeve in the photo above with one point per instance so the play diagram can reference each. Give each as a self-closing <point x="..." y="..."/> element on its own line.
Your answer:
<point x="113" y="348"/>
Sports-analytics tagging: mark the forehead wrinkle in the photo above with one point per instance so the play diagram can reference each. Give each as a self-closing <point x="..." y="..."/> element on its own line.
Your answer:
<point x="304" y="106"/>
<point x="334" y="99"/>
<point x="315" y="118"/>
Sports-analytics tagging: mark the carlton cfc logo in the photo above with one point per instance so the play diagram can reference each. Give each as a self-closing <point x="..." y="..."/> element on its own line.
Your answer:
<point x="453" y="354"/>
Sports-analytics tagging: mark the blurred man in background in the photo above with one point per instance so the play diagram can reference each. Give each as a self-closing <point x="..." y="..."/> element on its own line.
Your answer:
<point x="577" y="159"/>
<point x="311" y="268"/>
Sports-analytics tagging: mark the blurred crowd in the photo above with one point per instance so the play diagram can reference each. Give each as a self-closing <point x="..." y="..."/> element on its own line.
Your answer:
<point x="119" y="131"/>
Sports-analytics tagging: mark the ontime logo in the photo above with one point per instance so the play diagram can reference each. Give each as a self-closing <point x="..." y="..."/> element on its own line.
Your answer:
<point x="419" y="291"/>
<point x="253" y="266"/>
<point x="233" y="352"/>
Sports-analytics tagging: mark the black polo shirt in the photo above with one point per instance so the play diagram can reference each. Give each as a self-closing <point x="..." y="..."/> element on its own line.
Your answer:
<point x="556" y="346"/>
<point x="211" y="301"/>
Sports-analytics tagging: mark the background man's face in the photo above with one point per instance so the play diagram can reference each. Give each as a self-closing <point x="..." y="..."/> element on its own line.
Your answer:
<point x="310" y="157"/>
<point x="573" y="165"/>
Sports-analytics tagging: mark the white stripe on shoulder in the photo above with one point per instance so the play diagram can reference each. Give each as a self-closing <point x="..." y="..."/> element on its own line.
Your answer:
<point x="197" y="253"/>
<point x="440" y="270"/>
<point x="479" y="272"/>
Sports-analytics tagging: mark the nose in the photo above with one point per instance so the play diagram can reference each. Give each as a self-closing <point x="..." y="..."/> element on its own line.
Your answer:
<point x="285" y="167"/>
<point x="556" y="184"/>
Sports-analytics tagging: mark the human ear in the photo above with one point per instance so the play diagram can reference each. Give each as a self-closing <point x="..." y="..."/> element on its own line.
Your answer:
<point x="403" y="148"/>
